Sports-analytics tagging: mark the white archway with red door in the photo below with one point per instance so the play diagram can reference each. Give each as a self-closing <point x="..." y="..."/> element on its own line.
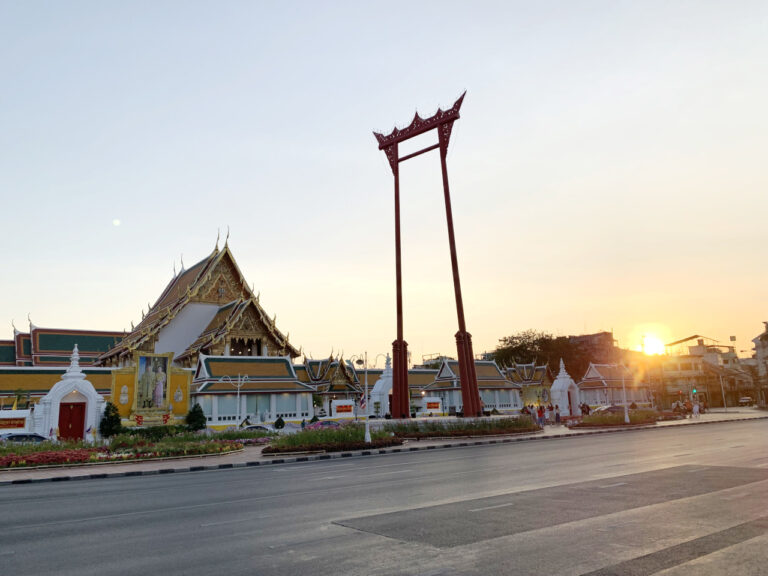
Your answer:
<point x="72" y="402"/>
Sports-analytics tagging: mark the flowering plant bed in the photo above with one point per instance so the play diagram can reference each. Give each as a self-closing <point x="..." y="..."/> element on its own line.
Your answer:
<point x="609" y="419"/>
<point x="481" y="427"/>
<point x="349" y="437"/>
<point x="335" y="446"/>
<point x="50" y="454"/>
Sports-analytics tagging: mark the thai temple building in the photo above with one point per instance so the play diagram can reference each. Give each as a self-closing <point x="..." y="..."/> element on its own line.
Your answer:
<point x="496" y="391"/>
<point x="207" y="340"/>
<point x="606" y="384"/>
<point x="534" y="381"/>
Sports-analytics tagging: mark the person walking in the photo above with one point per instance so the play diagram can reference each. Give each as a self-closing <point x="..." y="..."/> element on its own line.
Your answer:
<point x="540" y="414"/>
<point x="557" y="414"/>
<point x="696" y="409"/>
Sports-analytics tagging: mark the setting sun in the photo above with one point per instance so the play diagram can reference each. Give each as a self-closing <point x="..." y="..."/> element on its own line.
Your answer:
<point x="652" y="345"/>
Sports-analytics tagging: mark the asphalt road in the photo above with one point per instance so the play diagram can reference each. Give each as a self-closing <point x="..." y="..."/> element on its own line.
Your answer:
<point x="687" y="500"/>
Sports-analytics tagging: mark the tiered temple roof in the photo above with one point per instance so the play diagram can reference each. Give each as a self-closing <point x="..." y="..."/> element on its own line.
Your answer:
<point x="215" y="280"/>
<point x="53" y="346"/>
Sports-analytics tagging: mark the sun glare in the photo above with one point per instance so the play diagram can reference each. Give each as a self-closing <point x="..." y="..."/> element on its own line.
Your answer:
<point x="652" y="345"/>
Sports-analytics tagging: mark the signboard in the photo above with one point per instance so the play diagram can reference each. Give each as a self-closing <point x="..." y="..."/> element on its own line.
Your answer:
<point x="12" y="423"/>
<point x="431" y="404"/>
<point x="343" y="408"/>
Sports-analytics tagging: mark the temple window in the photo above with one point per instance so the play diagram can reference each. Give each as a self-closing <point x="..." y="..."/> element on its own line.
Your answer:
<point x="245" y="347"/>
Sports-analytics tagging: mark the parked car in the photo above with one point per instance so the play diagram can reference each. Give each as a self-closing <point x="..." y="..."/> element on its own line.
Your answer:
<point x="22" y="437"/>
<point x="262" y="428"/>
<point x="323" y="425"/>
<point x="613" y="409"/>
<point x="746" y="401"/>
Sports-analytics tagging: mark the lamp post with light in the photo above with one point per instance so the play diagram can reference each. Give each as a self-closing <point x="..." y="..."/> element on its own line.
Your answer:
<point x="624" y="394"/>
<point x="241" y="380"/>
<point x="360" y="361"/>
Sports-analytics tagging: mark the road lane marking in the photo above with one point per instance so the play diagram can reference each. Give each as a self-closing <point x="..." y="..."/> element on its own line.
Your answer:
<point x="613" y="485"/>
<point x="325" y="478"/>
<point x="492" y="507"/>
<point x="385" y="473"/>
<point x="735" y="496"/>
<point x="235" y="521"/>
<point x="697" y="470"/>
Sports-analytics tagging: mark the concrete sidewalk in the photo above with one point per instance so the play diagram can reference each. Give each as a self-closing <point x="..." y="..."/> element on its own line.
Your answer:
<point x="252" y="455"/>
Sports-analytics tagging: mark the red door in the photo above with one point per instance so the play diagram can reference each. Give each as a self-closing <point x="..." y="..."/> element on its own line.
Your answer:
<point x="72" y="420"/>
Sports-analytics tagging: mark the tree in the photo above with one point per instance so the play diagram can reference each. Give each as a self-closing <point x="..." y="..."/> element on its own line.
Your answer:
<point x="196" y="419"/>
<point x="279" y="423"/>
<point x="530" y="346"/>
<point x="110" y="421"/>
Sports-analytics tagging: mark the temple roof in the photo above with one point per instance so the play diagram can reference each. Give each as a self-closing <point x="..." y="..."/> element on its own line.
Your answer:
<point x="488" y="376"/>
<point x="526" y="374"/>
<point x="256" y="373"/>
<point x="186" y="287"/>
<point x="607" y="376"/>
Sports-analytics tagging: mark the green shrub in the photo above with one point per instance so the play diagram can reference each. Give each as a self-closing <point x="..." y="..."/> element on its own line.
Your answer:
<point x="314" y="419"/>
<point x="195" y="418"/>
<point x="110" y="422"/>
<point x="617" y="418"/>
<point x="325" y="438"/>
<point x="417" y="429"/>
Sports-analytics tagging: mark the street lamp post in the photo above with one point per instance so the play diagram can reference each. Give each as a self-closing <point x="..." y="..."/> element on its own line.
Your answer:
<point x="624" y="393"/>
<point x="722" y="390"/>
<point x="241" y="380"/>
<point x="367" y="400"/>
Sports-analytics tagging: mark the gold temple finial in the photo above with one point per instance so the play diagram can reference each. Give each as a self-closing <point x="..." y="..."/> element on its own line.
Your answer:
<point x="132" y="326"/>
<point x="274" y="319"/>
<point x="226" y="241"/>
<point x="174" y="268"/>
<point x="14" y="326"/>
<point x="182" y="262"/>
<point x="258" y="296"/>
<point x="218" y="234"/>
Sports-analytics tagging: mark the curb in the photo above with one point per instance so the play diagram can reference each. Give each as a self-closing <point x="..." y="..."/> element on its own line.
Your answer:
<point x="358" y="453"/>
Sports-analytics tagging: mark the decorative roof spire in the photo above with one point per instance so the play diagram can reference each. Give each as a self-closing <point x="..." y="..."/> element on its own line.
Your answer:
<point x="15" y="331"/>
<point x="562" y="369"/>
<point x="218" y="234"/>
<point x="182" y="264"/>
<point x="226" y="240"/>
<point x="74" y="372"/>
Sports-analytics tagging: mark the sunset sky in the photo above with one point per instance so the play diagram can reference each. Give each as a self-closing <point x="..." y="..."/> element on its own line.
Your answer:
<point x="609" y="170"/>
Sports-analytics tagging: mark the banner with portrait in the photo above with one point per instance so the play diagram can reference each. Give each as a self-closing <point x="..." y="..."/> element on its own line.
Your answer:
<point x="152" y="377"/>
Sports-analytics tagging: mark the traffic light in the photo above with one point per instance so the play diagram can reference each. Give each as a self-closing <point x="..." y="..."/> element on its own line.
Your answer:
<point x="694" y="390"/>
